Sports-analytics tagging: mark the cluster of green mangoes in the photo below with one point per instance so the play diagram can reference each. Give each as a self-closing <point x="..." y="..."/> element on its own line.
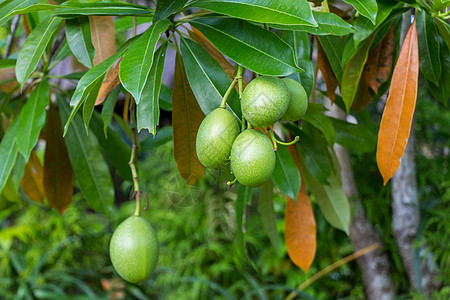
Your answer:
<point x="265" y="100"/>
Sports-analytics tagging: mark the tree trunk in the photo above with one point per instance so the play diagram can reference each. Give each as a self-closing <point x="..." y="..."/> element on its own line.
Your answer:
<point x="405" y="221"/>
<point x="375" y="265"/>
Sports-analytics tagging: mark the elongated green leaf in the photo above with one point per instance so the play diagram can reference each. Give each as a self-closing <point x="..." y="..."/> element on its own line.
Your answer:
<point x="74" y="12"/>
<point x="244" y="197"/>
<point x="356" y="137"/>
<point x="78" y="35"/>
<point x="315" y="116"/>
<point x="32" y="119"/>
<point x="352" y="74"/>
<point x="264" y="11"/>
<point x="108" y="108"/>
<point x="136" y="62"/>
<point x="148" y="107"/>
<point x="285" y="175"/>
<point x="165" y="98"/>
<point x="266" y="211"/>
<point x="444" y="30"/>
<point x="88" y="164"/>
<point x="116" y="149"/>
<point x="429" y="54"/>
<point x="34" y="47"/>
<point x="367" y="8"/>
<point x="165" y="8"/>
<point x="208" y="80"/>
<point x="333" y="47"/>
<point x="90" y="79"/>
<point x="442" y="92"/>
<point x="331" y="199"/>
<point x="299" y="41"/>
<point x="34" y="8"/>
<point x="251" y="46"/>
<point x="9" y="6"/>
<point x="327" y="23"/>
<point x="89" y="104"/>
<point x="7" y="63"/>
<point x="8" y="153"/>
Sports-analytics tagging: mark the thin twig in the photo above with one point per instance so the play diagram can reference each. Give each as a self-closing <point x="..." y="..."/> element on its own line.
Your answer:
<point x="9" y="42"/>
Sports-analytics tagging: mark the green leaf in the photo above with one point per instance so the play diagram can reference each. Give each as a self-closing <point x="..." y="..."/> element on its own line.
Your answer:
<point x="165" y="98"/>
<point x="430" y="64"/>
<point x="356" y="137"/>
<point x="316" y="117"/>
<point x="7" y="63"/>
<point x="34" y="8"/>
<point x="88" y="164"/>
<point x="352" y="74"/>
<point x="333" y="47"/>
<point x="264" y="11"/>
<point x="122" y="24"/>
<point x="9" y="6"/>
<point x="32" y="119"/>
<point x="367" y="8"/>
<point x="244" y="196"/>
<point x="331" y="199"/>
<point x="8" y="153"/>
<point x="207" y="79"/>
<point x="328" y="23"/>
<point x="137" y="62"/>
<point x="251" y="46"/>
<point x="115" y="148"/>
<point x="442" y="92"/>
<point x="444" y="30"/>
<point x="34" y="47"/>
<point x="148" y="107"/>
<point x="165" y="8"/>
<point x="78" y="33"/>
<point x="89" y="104"/>
<point x="267" y="213"/>
<point x="74" y="12"/>
<point x="299" y="41"/>
<point x="108" y="108"/>
<point x="90" y="79"/>
<point x="285" y="175"/>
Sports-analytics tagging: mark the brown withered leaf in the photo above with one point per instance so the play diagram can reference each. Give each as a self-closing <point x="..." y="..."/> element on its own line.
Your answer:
<point x="8" y="75"/>
<point x="32" y="180"/>
<point x="327" y="73"/>
<point x="379" y="63"/>
<point x="103" y="37"/>
<point x="186" y="119"/>
<point x="109" y="83"/>
<point x="58" y="178"/>
<point x="363" y="96"/>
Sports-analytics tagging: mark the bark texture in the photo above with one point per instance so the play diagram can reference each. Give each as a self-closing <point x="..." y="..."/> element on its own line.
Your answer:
<point x="375" y="265"/>
<point x="405" y="221"/>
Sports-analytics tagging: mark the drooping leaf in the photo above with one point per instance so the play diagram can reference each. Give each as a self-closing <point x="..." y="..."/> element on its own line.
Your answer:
<point x="328" y="23"/>
<point x="399" y="110"/>
<point x="367" y="8"/>
<point x="34" y="47"/>
<point x="363" y="95"/>
<point x="89" y="166"/>
<point x="108" y="108"/>
<point x="165" y="8"/>
<point x="148" y="108"/>
<point x="444" y="29"/>
<point x="356" y="137"/>
<point x="110" y="82"/>
<point x="251" y="46"/>
<point x="333" y="46"/>
<point x="10" y="5"/>
<point x="327" y="73"/>
<point x="442" y="92"/>
<point x="78" y="34"/>
<point x="89" y="103"/>
<point x="316" y="117"/>
<point x="379" y="62"/>
<point x="107" y="10"/>
<point x="285" y="175"/>
<point x="243" y="197"/>
<point x="58" y="178"/>
<point x="207" y="79"/>
<point x="352" y="74"/>
<point x="34" y="8"/>
<point x="267" y="213"/>
<point x="8" y="152"/>
<point x="32" y="119"/>
<point x="165" y="98"/>
<point x="429" y="54"/>
<point x="103" y="37"/>
<point x="137" y="62"/>
<point x="32" y="182"/>
<point x="275" y="11"/>
<point x="187" y="117"/>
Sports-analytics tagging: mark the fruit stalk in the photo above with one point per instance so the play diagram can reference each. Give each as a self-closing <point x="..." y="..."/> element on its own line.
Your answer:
<point x="132" y="161"/>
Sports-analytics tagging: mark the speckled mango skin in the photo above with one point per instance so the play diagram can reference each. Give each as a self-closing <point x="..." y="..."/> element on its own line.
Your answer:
<point x="134" y="249"/>
<point x="252" y="158"/>
<point x="215" y="137"/>
<point x="298" y="100"/>
<point x="264" y="101"/>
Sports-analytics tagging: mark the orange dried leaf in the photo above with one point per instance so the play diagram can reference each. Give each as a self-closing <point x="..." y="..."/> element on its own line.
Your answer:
<point x="398" y="113"/>
<point x="186" y="118"/>
<point x="109" y="84"/>
<point x="32" y="180"/>
<point x="58" y="178"/>
<point x="327" y="72"/>
<point x="103" y="37"/>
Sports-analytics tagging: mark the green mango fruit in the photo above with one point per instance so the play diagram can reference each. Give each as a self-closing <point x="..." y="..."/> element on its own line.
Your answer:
<point x="252" y="158"/>
<point x="264" y="101"/>
<point x="215" y="137"/>
<point x="298" y="100"/>
<point x="134" y="249"/>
